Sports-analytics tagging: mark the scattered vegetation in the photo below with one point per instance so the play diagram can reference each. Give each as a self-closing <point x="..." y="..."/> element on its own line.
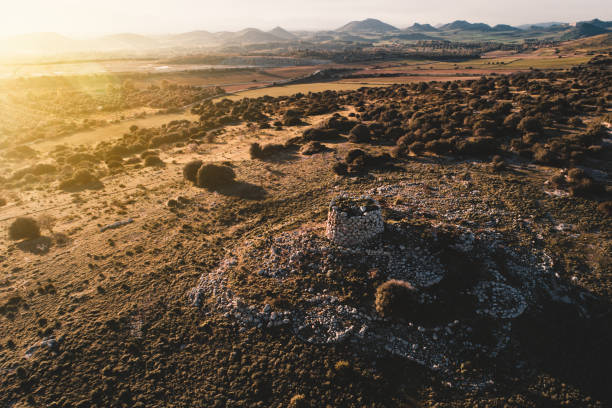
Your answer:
<point x="81" y="179"/>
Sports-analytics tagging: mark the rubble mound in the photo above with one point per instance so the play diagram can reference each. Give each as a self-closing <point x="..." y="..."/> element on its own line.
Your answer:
<point x="470" y="286"/>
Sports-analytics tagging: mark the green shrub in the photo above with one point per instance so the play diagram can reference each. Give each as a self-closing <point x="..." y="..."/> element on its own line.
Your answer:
<point x="24" y="228"/>
<point x="190" y="170"/>
<point x="395" y="298"/>
<point x="213" y="176"/>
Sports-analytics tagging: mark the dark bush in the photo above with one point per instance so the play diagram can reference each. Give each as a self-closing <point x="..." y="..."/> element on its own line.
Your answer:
<point x="214" y="176"/>
<point x="576" y="121"/>
<point x="255" y="151"/>
<point x="354" y="154"/>
<point x="439" y="146"/>
<point x="605" y="208"/>
<point x="340" y="123"/>
<point x="340" y="168"/>
<point x="530" y="124"/>
<point x="359" y="134"/>
<point x="477" y="146"/>
<point x="312" y="148"/>
<point x="320" y="134"/>
<point x="190" y="170"/>
<point x="80" y="179"/>
<point x="396" y="298"/>
<point x="2" y="202"/>
<point x="417" y="148"/>
<point x="544" y="156"/>
<point x="497" y="163"/>
<point x="576" y="174"/>
<point x="147" y="153"/>
<point x="558" y="180"/>
<point x="266" y="151"/>
<point x="586" y="187"/>
<point x="151" y="161"/>
<point x="24" y="228"/>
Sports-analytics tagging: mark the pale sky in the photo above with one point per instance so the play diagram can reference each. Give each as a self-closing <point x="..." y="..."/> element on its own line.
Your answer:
<point x="91" y="17"/>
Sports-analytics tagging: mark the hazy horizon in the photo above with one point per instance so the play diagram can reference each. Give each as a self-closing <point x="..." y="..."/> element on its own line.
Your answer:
<point x="71" y="17"/>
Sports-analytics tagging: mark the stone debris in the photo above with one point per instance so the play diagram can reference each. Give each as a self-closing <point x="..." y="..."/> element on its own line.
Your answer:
<point x="50" y="342"/>
<point x="499" y="300"/>
<point x="116" y="224"/>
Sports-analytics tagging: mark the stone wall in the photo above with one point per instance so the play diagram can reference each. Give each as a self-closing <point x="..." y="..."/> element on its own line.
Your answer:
<point x="354" y="226"/>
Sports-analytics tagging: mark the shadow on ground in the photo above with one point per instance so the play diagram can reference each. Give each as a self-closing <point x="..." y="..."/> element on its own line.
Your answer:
<point x="36" y="246"/>
<point x="243" y="189"/>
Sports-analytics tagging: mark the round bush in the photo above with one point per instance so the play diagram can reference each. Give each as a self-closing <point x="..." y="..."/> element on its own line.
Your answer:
<point x="340" y="168"/>
<point x="395" y="298"/>
<point x="255" y="151"/>
<point x="417" y="148"/>
<point x="213" y="176"/>
<point x="24" y="228"/>
<point x="576" y="174"/>
<point x="190" y="170"/>
<point x="605" y="208"/>
<point x="153" y="161"/>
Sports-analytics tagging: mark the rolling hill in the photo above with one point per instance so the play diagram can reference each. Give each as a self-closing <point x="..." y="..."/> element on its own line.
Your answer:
<point x="465" y="26"/>
<point x="422" y="28"/>
<point x="582" y="30"/>
<point x="369" y="25"/>
<point x="125" y="41"/>
<point x="253" y="36"/>
<point x="282" y="33"/>
<point x="193" y="38"/>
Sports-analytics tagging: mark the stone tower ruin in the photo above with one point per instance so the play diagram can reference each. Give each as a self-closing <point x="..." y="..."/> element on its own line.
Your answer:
<point x="353" y="221"/>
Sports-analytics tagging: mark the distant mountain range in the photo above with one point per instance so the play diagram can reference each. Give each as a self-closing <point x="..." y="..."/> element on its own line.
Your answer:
<point x="366" y="31"/>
